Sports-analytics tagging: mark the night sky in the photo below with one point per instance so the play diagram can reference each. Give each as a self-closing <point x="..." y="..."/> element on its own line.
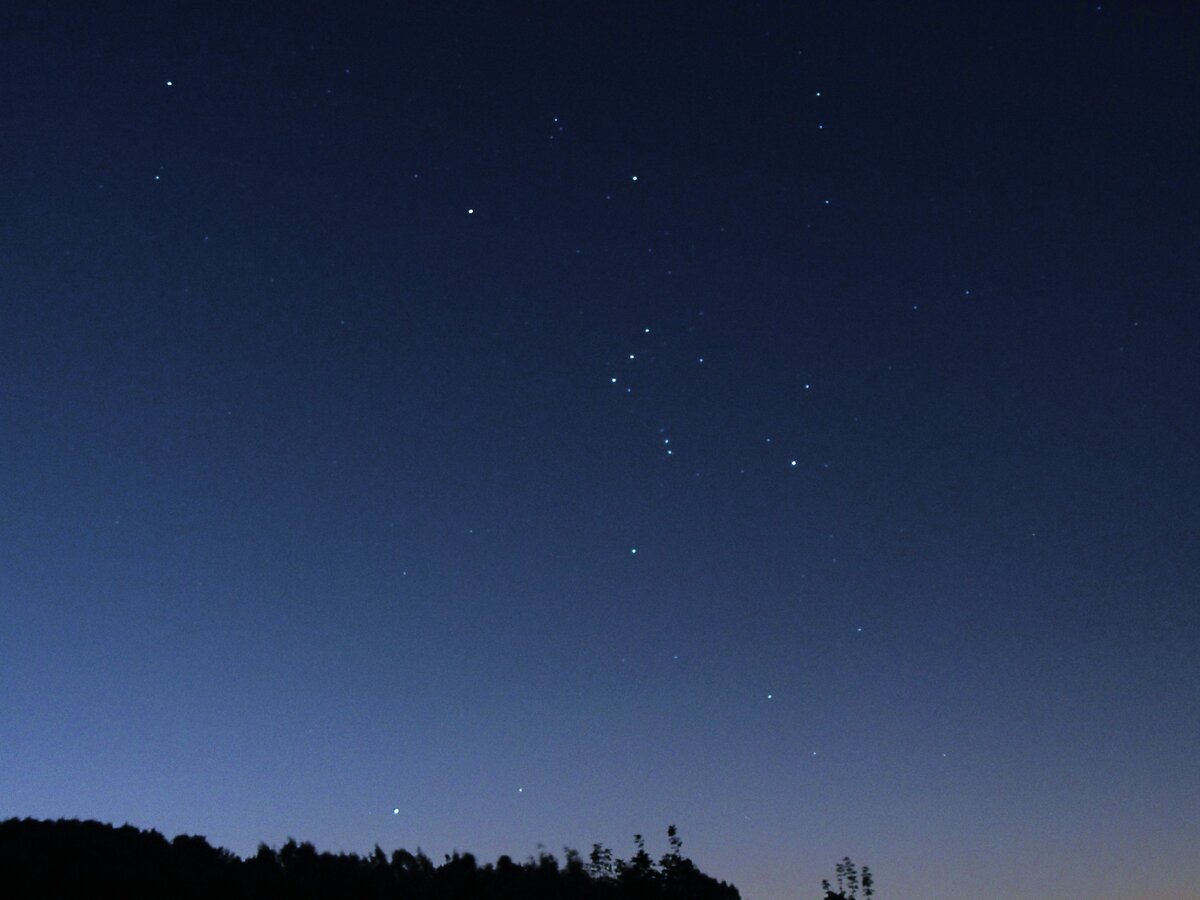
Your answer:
<point x="476" y="426"/>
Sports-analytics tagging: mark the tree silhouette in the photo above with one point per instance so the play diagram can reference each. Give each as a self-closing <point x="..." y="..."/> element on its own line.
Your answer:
<point x="68" y="858"/>
<point x="601" y="865"/>
<point x="848" y="882"/>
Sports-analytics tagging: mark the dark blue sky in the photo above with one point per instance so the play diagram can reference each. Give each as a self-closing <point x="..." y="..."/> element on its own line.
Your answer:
<point x="348" y="355"/>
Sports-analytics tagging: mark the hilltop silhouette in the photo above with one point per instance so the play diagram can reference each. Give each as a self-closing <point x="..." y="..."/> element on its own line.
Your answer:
<point x="72" y="858"/>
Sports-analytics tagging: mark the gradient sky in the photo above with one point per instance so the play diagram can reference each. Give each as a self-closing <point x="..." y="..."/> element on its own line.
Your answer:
<point x="349" y="352"/>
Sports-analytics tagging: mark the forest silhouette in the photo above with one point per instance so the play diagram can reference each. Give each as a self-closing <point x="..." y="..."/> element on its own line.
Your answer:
<point x="73" y="858"/>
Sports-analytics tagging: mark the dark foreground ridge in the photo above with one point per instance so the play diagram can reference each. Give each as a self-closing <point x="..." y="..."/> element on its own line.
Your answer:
<point x="70" y="858"/>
